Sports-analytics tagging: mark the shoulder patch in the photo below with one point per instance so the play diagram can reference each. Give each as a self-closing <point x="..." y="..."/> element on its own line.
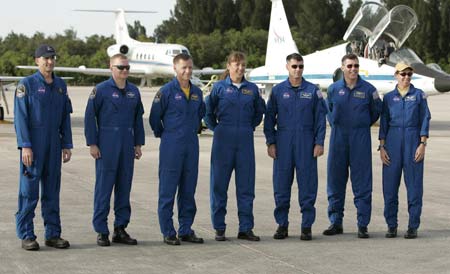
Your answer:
<point x="60" y="90"/>
<point x="319" y="94"/>
<point x="93" y="93"/>
<point x="157" y="97"/>
<point x="21" y="91"/>
<point x="424" y="95"/>
<point x="375" y="95"/>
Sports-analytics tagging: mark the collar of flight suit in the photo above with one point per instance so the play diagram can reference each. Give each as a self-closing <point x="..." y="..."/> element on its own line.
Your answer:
<point x="244" y="81"/>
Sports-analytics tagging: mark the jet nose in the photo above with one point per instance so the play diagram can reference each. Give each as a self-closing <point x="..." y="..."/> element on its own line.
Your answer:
<point x="442" y="84"/>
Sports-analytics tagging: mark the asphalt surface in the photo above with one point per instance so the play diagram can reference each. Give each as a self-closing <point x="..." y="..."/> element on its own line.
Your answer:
<point x="429" y="253"/>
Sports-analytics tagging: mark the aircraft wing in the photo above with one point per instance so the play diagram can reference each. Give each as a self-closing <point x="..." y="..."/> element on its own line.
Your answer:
<point x="89" y="71"/>
<point x="10" y="78"/>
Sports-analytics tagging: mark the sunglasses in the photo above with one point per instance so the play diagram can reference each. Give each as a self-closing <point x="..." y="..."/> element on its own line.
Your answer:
<point x="122" y="67"/>
<point x="403" y="74"/>
<point x="297" y="66"/>
<point x="349" y="66"/>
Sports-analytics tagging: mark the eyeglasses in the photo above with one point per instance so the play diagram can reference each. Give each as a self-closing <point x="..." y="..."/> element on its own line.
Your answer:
<point x="403" y="74"/>
<point x="122" y="67"/>
<point x="349" y="66"/>
<point x="298" y="66"/>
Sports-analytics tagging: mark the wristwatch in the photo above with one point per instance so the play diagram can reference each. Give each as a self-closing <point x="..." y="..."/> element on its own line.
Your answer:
<point x="380" y="147"/>
<point x="424" y="143"/>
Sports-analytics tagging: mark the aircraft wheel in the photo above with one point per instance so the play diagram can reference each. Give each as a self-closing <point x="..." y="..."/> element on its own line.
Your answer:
<point x="2" y="113"/>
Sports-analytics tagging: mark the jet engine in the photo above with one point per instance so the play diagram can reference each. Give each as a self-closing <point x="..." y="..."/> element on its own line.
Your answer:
<point x="116" y="49"/>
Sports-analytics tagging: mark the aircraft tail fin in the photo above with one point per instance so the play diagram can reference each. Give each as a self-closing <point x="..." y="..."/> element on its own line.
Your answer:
<point x="120" y="28"/>
<point x="280" y="42"/>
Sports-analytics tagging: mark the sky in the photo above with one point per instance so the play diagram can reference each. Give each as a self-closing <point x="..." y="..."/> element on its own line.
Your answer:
<point x="54" y="16"/>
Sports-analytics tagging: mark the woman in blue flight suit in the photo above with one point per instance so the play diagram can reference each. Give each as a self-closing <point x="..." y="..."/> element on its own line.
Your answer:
<point x="404" y="127"/>
<point x="233" y="110"/>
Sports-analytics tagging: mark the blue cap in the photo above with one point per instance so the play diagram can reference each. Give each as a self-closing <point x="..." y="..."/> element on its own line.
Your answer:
<point x="44" y="51"/>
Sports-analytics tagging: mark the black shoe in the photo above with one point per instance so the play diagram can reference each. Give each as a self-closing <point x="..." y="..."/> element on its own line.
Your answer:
<point x="248" y="235"/>
<point x="192" y="238"/>
<point x="362" y="232"/>
<point x="391" y="233"/>
<point x="122" y="237"/>
<point x="57" y="243"/>
<point x="333" y="230"/>
<point x="411" y="233"/>
<point x="30" y="245"/>
<point x="220" y="235"/>
<point x="281" y="233"/>
<point x="172" y="240"/>
<point x="306" y="234"/>
<point x="103" y="240"/>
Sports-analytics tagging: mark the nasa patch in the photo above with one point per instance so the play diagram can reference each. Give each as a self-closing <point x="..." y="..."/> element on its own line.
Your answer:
<point x="341" y="92"/>
<point x="20" y="91"/>
<point x="229" y="90"/>
<point x="93" y="93"/>
<point x="41" y="90"/>
<point x="115" y="95"/>
<point x="178" y="96"/>
<point x="286" y="95"/>
<point x="396" y="99"/>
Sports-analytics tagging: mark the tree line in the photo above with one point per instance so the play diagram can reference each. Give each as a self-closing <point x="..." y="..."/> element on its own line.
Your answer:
<point x="211" y="29"/>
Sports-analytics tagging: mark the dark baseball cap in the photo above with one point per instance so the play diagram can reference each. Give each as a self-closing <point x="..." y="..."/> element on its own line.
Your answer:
<point x="44" y="51"/>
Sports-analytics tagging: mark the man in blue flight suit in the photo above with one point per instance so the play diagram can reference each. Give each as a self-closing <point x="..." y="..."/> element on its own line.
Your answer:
<point x="233" y="110"/>
<point x="114" y="132"/>
<point x="297" y="109"/>
<point x="404" y="128"/>
<point x="354" y="105"/>
<point x="42" y="121"/>
<point x="175" y="117"/>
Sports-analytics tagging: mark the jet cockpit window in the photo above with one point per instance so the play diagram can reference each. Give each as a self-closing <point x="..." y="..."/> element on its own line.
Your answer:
<point x="396" y="26"/>
<point x="365" y="21"/>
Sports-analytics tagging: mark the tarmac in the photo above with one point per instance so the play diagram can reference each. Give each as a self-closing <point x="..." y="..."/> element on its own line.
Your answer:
<point x="429" y="253"/>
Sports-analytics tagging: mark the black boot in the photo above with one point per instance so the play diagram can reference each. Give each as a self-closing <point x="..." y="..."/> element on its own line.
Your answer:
<point x="391" y="233"/>
<point x="220" y="235"/>
<point x="248" y="235"/>
<point x="172" y="240"/>
<point x="363" y="233"/>
<point x="333" y="230"/>
<point x="306" y="234"/>
<point x="281" y="233"/>
<point x="411" y="233"/>
<point x="57" y="243"/>
<point x="192" y="238"/>
<point x="103" y="240"/>
<point x="121" y="236"/>
<point x="30" y="245"/>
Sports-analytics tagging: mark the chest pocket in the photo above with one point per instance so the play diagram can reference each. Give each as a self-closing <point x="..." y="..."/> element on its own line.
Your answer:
<point x="228" y="100"/>
<point x="40" y="105"/>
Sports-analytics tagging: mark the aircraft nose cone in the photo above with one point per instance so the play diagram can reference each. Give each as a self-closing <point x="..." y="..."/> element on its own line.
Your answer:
<point x="442" y="84"/>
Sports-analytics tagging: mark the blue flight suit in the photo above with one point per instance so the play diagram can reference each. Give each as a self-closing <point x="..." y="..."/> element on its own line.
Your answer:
<point x="42" y="122"/>
<point x="233" y="113"/>
<point x="176" y="120"/>
<point x="113" y="122"/>
<point x="403" y="121"/>
<point x="351" y="113"/>
<point x="298" y="113"/>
